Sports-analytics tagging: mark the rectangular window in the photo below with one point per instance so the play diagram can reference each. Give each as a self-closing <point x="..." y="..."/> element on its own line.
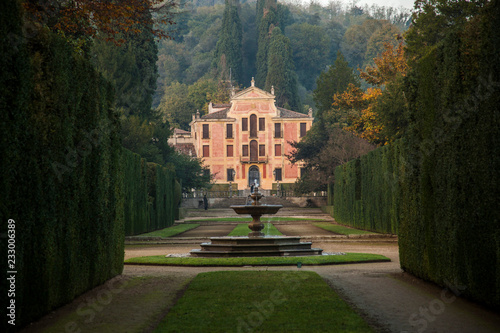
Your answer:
<point x="302" y="130"/>
<point x="230" y="175"/>
<point x="206" y="134"/>
<point x="262" y="124"/>
<point x="277" y="130"/>
<point x="262" y="150"/>
<point x="277" y="150"/>
<point x="229" y="150"/>
<point x="229" y="131"/>
<point x="206" y="151"/>
<point x="244" y="124"/>
<point x="277" y="174"/>
<point x="245" y="150"/>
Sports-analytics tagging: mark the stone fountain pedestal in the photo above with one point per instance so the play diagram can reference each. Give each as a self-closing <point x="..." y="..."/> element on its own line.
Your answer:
<point x="275" y="246"/>
<point x="256" y="244"/>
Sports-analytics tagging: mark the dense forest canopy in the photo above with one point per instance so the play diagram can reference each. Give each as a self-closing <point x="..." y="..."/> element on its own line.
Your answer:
<point x="208" y="48"/>
<point x="315" y="33"/>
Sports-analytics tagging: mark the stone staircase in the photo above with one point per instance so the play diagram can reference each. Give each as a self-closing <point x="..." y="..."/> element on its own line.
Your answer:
<point x="227" y="202"/>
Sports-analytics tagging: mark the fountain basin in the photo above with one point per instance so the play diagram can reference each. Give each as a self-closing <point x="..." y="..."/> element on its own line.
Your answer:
<point x="256" y="244"/>
<point x="256" y="209"/>
<point x="274" y="246"/>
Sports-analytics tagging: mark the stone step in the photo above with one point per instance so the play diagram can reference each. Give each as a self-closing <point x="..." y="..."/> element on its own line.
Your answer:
<point x="267" y="253"/>
<point x="260" y="247"/>
<point x="267" y="200"/>
<point x="277" y="240"/>
<point x="255" y="247"/>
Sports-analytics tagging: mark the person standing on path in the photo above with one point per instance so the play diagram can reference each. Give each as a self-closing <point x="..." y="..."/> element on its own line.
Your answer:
<point x="205" y="202"/>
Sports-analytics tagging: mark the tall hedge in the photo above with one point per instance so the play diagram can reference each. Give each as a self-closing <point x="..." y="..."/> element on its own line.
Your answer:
<point x="439" y="187"/>
<point x="61" y="180"/>
<point x="162" y="196"/>
<point x="450" y="222"/>
<point x="65" y="182"/>
<point x="136" y="207"/>
<point x="151" y="195"/>
<point x="366" y="191"/>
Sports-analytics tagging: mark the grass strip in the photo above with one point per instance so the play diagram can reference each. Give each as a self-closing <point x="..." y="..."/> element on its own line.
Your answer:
<point x="339" y="229"/>
<point x="261" y="301"/>
<point x="249" y="219"/>
<point x="243" y="230"/>
<point x="348" y="258"/>
<point x="171" y="231"/>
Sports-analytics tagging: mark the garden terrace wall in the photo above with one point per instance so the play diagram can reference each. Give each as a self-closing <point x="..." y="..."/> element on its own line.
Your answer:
<point x="61" y="180"/>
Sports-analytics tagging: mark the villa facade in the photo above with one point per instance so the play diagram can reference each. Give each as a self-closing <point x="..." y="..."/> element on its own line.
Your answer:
<point x="245" y="142"/>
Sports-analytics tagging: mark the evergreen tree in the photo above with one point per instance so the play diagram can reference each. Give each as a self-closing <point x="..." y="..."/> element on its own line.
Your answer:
<point x="228" y="53"/>
<point x="311" y="51"/>
<point x="281" y="71"/>
<point x="266" y="21"/>
<point x="132" y="69"/>
<point x="332" y="82"/>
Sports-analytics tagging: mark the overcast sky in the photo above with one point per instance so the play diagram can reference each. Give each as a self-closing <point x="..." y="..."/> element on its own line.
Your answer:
<point x="394" y="3"/>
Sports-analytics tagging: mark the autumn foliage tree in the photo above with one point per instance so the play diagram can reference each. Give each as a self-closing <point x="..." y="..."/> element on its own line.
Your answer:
<point x="109" y="20"/>
<point x="357" y="106"/>
<point x="376" y="114"/>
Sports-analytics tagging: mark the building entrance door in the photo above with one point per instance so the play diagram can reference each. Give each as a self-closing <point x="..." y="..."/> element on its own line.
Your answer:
<point x="253" y="175"/>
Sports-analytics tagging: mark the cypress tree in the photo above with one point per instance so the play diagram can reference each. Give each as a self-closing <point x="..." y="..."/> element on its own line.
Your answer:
<point x="228" y="52"/>
<point x="281" y="71"/>
<point x="266" y="20"/>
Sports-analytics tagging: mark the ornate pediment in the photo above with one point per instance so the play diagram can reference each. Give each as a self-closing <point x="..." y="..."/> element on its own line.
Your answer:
<point x="252" y="92"/>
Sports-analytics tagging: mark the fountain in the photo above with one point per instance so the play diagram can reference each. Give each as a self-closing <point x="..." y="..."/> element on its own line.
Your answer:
<point x="256" y="244"/>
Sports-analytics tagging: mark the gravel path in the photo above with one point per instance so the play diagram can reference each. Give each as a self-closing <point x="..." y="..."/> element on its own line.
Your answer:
<point x="389" y="299"/>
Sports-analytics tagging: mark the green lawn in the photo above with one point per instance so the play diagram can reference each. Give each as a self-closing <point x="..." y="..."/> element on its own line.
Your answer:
<point x="243" y="230"/>
<point x="171" y="231"/>
<point x="249" y="219"/>
<point x="339" y="229"/>
<point x="258" y="261"/>
<point x="285" y="301"/>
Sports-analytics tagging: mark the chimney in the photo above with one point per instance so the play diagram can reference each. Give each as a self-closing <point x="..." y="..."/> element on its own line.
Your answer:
<point x="310" y="112"/>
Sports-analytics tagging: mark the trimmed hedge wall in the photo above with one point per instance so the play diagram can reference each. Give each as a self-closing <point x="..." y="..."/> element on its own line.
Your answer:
<point x="439" y="187"/>
<point x="61" y="180"/>
<point x="65" y="179"/>
<point x="450" y="221"/>
<point x="366" y="191"/>
<point x="152" y="195"/>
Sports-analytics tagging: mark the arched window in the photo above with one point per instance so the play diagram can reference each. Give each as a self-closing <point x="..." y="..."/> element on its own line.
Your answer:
<point x="254" y="151"/>
<point x="253" y="126"/>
